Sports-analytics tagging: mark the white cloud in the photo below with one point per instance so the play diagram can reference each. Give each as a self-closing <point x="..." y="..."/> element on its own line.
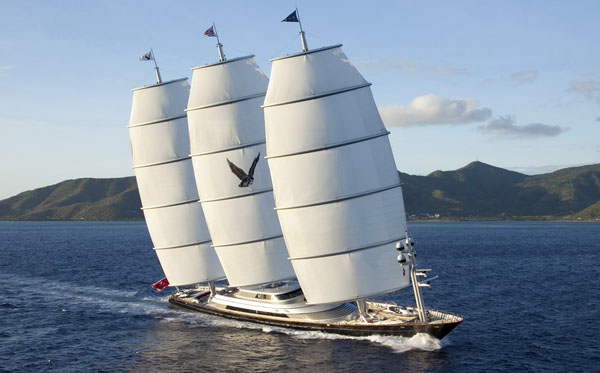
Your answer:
<point x="411" y="66"/>
<point x="5" y="68"/>
<point x="524" y="77"/>
<point x="589" y="89"/>
<point x="505" y="126"/>
<point x="536" y="170"/>
<point x="432" y="109"/>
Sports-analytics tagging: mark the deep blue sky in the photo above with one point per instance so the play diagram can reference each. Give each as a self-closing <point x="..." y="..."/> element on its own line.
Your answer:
<point x="514" y="84"/>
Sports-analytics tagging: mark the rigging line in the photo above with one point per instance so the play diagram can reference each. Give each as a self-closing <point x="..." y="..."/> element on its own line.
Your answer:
<point x="229" y="46"/>
<point x="287" y="44"/>
<point x="322" y="38"/>
<point x="159" y="84"/>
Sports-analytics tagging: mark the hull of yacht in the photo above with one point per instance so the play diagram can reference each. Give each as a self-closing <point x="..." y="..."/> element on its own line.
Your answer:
<point x="338" y="319"/>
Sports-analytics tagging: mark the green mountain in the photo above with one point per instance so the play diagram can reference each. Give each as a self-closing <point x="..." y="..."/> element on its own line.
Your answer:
<point x="479" y="190"/>
<point x="476" y="191"/>
<point x="80" y="199"/>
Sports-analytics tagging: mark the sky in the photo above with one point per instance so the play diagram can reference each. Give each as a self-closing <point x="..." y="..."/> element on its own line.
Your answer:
<point x="515" y="84"/>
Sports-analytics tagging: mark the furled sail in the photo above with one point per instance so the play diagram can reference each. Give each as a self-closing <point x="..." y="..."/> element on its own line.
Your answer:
<point x="337" y="189"/>
<point x="227" y="138"/>
<point x="160" y="145"/>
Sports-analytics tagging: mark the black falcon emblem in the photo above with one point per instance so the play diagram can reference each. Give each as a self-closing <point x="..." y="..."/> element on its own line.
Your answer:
<point x="247" y="179"/>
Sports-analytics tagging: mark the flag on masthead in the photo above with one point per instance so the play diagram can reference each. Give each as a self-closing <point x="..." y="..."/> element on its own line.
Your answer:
<point x="150" y="57"/>
<point x="292" y="17"/>
<point x="210" y="32"/>
<point x="147" y="57"/>
<point x="295" y="17"/>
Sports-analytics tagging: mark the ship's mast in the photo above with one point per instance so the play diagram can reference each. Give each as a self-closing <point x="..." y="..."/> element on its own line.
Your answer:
<point x="219" y="45"/>
<point x="302" y="37"/>
<point x="407" y="255"/>
<point x="156" y="71"/>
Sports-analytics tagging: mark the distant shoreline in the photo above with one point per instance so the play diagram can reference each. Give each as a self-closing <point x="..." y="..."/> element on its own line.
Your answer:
<point x="440" y="220"/>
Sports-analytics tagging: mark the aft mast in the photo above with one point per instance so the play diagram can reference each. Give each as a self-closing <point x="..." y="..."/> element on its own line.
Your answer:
<point x="342" y="224"/>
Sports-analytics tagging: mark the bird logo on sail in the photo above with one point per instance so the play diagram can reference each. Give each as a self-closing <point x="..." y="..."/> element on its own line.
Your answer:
<point x="246" y="178"/>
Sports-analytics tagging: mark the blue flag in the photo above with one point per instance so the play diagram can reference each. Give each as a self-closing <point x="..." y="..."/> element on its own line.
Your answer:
<point x="292" y="17"/>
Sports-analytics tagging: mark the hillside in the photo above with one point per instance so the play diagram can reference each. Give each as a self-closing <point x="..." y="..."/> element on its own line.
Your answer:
<point x="476" y="191"/>
<point x="481" y="190"/>
<point x="80" y="199"/>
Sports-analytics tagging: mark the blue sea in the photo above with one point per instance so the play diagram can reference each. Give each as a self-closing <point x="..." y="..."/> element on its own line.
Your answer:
<point x="76" y="296"/>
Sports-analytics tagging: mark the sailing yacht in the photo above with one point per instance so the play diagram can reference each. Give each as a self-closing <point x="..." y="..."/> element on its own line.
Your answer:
<point x="306" y="254"/>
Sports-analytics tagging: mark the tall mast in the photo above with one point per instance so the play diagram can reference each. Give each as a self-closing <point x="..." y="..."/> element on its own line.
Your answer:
<point x="302" y="37"/>
<point x="414" y="273"/>
<point x="158" y="78"/>
<point x="219" y="45"/>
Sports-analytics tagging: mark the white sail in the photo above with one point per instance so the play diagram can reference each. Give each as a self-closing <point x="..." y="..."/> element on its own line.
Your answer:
<point x="226" y="125"/>
<point x="160" y="147"/>
<point x="337" y="189"/>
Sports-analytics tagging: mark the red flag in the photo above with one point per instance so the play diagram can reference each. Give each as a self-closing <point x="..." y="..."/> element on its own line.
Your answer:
<point x="210" y="32"/>
<point x="161" y="284"/>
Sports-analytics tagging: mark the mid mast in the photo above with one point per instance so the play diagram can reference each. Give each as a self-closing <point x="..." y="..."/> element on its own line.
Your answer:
<point x="227" y="137"/>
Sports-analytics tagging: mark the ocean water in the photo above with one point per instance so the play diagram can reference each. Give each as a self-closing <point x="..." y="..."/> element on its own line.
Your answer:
<point x="76" y="296"/>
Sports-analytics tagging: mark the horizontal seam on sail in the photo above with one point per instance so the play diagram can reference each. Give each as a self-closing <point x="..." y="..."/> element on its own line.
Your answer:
<point x="247" y="242"/>
<point x="162" y="162"/>
<point x="222" y="62"/>
<point x="157" y="121"/>
<point x="227" y="102"/>
<point x="344" y="198"/>
<point x="320" y="95"/>
<point x="351" y="250"/>
<point x="237" y="196"/>
<point x="336" y="145"/>
<point x="306" y="52"/>
<point x="180" y="246"/>
<point x="170" y="204"/>
<point x="159" y="84"/>
<point x="242" y="146"/>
